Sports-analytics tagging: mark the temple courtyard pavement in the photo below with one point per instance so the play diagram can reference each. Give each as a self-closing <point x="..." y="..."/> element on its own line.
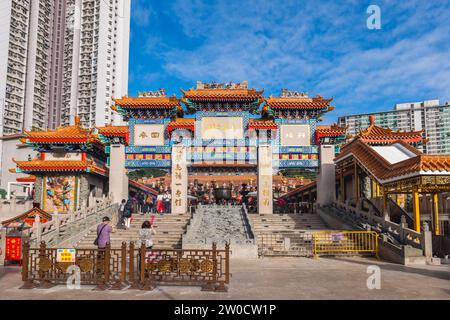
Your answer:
<point x="274" y="278"/>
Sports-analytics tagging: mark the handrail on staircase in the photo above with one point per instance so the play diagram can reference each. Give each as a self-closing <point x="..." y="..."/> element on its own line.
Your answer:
<point x="68" y="225"/>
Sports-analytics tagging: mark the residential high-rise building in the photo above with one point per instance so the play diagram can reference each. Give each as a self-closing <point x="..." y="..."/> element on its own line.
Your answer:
<point x="429" y="116"/>
<point x="96" y="46"/>
<point x="59" y="59"/>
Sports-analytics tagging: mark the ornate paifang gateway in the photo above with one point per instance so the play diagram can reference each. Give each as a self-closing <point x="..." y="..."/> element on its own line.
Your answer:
<point x="223" y="115"/>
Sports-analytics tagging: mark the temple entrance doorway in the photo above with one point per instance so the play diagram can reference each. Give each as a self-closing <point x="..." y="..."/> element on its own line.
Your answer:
<point x="223" y="184"/>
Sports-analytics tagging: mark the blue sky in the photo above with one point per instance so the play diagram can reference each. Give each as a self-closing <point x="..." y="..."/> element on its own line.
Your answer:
<point x="318" y="47"/>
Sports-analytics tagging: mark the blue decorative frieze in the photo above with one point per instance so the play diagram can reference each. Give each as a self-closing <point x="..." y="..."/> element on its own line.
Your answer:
<point x="296" y="163"/>
<point x="299" y="149"/>
<point x="197" y="156"/>
<point x="222" y="143"/>
<point x="148" y="163"/>
<point x="148" y="121"/>
<point x="150" y="149"/>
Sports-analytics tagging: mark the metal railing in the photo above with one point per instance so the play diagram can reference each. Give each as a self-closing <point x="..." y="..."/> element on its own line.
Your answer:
<point x="345" y="242"/>
<point x="285" y="243"/>
<point x="140" y="268"/>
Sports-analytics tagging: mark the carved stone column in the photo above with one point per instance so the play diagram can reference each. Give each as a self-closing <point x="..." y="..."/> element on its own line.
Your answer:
<point x="179" y="179"/>
<point x="326" y="191"/>
<point x="265" y="173"/>
<point x="118" y="179"/>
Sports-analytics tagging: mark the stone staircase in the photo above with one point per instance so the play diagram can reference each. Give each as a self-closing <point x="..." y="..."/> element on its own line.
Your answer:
<point x="169" y="231"/>
<point x="221" y="224"/>
<point x="285" y="234"/>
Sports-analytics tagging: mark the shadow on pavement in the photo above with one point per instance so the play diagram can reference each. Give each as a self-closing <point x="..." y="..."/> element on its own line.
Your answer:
<point x="385" y="265"/>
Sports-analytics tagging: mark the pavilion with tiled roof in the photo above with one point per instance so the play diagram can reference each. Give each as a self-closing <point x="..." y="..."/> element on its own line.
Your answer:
<point x="74" y="134"/>
<point x="375" y="135"/>
<point x="390" y="169"/>
<point x="70" y="161"/>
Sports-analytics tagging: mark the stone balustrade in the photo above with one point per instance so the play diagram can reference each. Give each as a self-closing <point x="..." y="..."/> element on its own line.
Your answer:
<point x="401" y="232"/>
<point x="63" y="227"/>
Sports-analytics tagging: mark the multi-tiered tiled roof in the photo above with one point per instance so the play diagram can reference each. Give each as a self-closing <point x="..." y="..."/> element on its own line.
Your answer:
<point x="181" y="123"/>
<point x="147" y="102"/>
<point x="296" y="100"/>
<point x="374" y="134"/>
<point x="74" y="134"/>
<point x="39" y="165"/>
<point x="333" y="131"/>
<point x="114" y="131"/>
<point x="222" y="92"/>
<point x="262" y="124"/>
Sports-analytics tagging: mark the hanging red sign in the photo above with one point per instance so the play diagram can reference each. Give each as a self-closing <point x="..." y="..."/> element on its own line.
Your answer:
<point x="13" y="250"/>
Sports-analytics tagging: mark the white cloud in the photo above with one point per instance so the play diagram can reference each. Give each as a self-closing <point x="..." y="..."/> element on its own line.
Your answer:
<point x="322" y="48"/>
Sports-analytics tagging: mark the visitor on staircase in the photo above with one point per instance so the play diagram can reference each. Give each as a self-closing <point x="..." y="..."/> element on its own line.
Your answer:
<point x="141" y="203"/>
<point x="121" y="222"/>
<point x="103" y="233"/>
<point x="127" y="212"/>
<point x="148" y="204"/>
<point x="146" y="234"/>
<point x="167" y="201"/>
<point x="159" y="203"/>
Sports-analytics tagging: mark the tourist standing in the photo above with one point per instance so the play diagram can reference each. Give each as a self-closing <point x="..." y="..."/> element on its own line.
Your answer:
<point x="141" y="202"/>
<point x="148" y="204"/>
<point x="127" y="213"/>
<point x="167" y="201"/>
<point x="121" y="223"/>
<point x="146" y="234"/>
<point x="104" y="230"/>
<point x="159" y="203"/>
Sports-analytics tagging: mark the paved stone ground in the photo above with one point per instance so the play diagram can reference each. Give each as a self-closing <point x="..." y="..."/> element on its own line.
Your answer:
<point x="275" y="278"/>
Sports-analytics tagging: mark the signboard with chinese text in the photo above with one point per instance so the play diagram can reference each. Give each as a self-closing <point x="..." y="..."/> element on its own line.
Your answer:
<point x="148" y="134"/>
<point x="337" y="236"/>
<point x="222" y="128"/>
<point x="13" y="249"/>
<point x="63" y="156"/>
<point x="295" y="135"/>
<point x="265" y="172"/>
<point x="65" y="255"/>
<point x="179" y="179"/>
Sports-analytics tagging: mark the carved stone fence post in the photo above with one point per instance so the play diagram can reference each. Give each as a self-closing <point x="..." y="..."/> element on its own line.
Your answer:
<point x="427" y="242"/>
<point x="401" y="231"/>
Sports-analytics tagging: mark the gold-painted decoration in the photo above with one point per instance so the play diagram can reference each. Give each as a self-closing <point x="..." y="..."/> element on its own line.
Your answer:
<point x="62" y="266"/>
<point x="151" y="266"/>
<point x="44" y="264"/>
<point x="206" y="265"/>
<point x="164" y="265"/>
<point x="85" y="265"/>
<point x="184" y="266"/>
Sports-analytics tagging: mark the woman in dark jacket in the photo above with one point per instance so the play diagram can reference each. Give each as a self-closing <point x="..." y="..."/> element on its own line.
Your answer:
<point x="127" y="213"/>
